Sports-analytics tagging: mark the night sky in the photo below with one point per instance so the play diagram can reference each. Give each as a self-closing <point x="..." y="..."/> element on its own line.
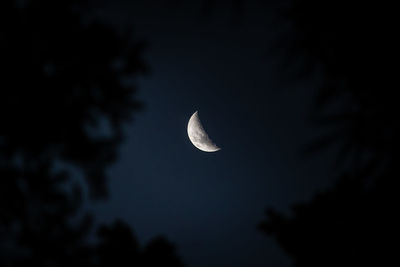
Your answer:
<point x="96" y="166"/>
<point x="227" y="68"/>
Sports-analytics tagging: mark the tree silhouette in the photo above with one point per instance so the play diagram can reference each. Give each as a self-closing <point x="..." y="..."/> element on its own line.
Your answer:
<point x="66" y="91"/>
<point x="119" y="240"/>
<point x="353" y="223"/>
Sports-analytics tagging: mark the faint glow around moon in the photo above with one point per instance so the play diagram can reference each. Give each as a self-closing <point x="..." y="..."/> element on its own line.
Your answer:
<point x="198" y="135"/>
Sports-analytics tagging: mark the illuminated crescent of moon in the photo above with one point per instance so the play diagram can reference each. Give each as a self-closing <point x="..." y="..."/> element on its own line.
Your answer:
<point x="198" y="135"/>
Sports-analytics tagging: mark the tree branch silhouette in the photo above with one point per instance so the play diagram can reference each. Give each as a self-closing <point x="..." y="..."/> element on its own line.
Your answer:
<point x="63" y="101"/>
<point x="353" y="223"/>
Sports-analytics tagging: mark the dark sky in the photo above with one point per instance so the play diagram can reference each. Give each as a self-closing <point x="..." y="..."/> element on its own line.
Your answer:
<point x="209" y="204"/>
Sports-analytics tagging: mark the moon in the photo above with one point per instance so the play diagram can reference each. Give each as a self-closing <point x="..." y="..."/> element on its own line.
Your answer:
<point x="198" y="135"/>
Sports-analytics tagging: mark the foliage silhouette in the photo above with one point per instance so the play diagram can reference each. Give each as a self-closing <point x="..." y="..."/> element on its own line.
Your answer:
<point x="353" y="223"/>
<point x="66" y="92"/>
<point x="119" y="240"/>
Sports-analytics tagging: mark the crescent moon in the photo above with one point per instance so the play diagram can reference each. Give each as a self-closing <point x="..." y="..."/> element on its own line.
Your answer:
<point x="198" y="135"/>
